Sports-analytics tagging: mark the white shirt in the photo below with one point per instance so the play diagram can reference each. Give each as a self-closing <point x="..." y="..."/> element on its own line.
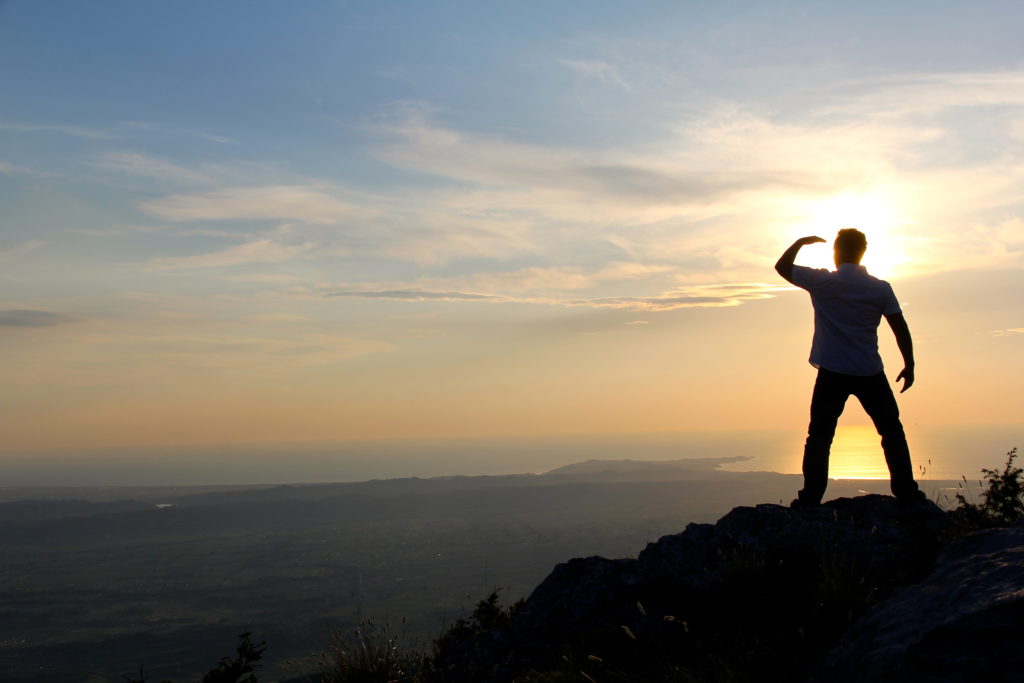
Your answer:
<point x="848" y="306"/>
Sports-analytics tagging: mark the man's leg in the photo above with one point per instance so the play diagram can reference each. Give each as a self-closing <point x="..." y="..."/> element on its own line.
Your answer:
<point x="827" y="402"/>
<point x="879" y="403"/>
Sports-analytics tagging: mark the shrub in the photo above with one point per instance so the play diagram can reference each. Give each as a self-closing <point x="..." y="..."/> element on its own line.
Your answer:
<point x="238" y="669"/>
<point x="1002" y="501"/>
<point x="371" y="653"/>
<point x="456" y="656"/>
<point x="488" y="615"/>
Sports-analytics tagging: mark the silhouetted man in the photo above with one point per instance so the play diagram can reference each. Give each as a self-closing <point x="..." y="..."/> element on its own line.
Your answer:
<point x="848" y="307"/>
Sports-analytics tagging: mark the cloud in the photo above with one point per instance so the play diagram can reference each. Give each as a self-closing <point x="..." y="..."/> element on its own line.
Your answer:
<point x="1008" y="332"/>
<point x="525" y="284"/>
<point x="414" y="295"/>
<point x="714" y="196"/>
<point x="23" y="248"/>
<point x="227" y="351"/>
<point x="258" y="251"/>
<point x="16" y="169"/>
<point x="429" y="234"/>
<point x="220" y="139"/>
<point x="541" y="279"/>
<point x="707" y="296"/>
<point x="224" y="174"/>
<point x="267" y="278"/>
<point x="601" y="71"/>
<point x="144" y="165"/>
<point x="278" y="202"/>
<point x="72" y="131"/>
<point x="30" y="318"/>
<point x="278" y="318"/>
<point x="610" y="179"/>
<point x="900" y="95"/>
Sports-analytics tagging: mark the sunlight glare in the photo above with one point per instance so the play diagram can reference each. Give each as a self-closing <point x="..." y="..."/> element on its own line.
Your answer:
<point x="857" y="454"/>
<point x="872" y="214"/>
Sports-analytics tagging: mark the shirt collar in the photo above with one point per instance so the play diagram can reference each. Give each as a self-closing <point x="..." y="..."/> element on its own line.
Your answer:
<point x="851" y="267"/>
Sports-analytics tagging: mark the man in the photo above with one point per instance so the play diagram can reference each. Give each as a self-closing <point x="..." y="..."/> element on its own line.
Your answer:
<point x="848" y="307"/>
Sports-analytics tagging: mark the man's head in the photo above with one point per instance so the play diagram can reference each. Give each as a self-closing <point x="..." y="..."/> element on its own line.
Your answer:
<point x="850" y="246"/>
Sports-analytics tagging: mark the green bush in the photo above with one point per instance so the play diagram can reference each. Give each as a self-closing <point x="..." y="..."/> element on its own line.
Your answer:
<point x="1002" y="501"/>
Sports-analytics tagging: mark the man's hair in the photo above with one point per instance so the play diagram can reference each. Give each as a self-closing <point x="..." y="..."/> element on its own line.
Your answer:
<point x="851" y="244"/>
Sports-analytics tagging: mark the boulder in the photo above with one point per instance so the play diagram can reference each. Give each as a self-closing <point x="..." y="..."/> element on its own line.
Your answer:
<point x="964" y="622"/>
<point x="766" y="588"/>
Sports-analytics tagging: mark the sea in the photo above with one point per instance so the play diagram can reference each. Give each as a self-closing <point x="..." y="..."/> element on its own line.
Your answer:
<point x="938" y="452"/>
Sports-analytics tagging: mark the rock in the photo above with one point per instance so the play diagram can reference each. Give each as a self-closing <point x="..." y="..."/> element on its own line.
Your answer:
<point x="765" y="588"/>
<point x="964" y="622"/>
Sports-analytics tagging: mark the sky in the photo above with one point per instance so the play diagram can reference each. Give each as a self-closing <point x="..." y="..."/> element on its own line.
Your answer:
<point x="267" y="222"/>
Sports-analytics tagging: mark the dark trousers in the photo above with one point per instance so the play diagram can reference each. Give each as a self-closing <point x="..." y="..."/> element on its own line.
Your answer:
<point x="831" y="390"/>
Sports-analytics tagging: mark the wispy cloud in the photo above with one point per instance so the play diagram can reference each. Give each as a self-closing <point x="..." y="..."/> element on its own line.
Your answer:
<point x="415" y="295"/>
<point x="202" y="175"/>
<point x="711" y="296"/>
<point x="258" y="251"/>
<point x="267" y="278"/>
<point x="20" y="249"/>
<point x="220" y="139"/>
<point x="144" y="165"/>
<point x="599" y="70"/>
<point x="227" y="351"/>
<point x="16" y="169"/>
<point x="546" y="279"/>
<point x="312" y="204"/>
<point x="61" y="129"/>
<point x="31" y="318"/>
<point x="913" y="93"/>
<point x="626" y="181"/>
<point x="1008" y="332"/>
<point x="713" y="197"/>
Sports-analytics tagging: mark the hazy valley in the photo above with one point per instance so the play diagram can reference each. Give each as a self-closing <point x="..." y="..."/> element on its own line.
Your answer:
<point x="168" y="577"/>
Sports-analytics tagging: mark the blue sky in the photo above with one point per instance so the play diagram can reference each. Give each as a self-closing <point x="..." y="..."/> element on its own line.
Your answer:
<point x="257" y="221"/>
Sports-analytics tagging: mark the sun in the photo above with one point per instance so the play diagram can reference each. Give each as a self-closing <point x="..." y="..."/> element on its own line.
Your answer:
<point x="872" y="213"/>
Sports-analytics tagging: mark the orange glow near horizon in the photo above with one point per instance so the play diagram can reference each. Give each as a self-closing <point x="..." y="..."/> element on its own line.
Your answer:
<point x="857" y="454"/>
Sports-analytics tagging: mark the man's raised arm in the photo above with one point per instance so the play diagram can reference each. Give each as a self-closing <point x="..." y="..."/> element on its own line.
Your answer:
<point x="784" y="266"/>
<point x="906" y="345"/>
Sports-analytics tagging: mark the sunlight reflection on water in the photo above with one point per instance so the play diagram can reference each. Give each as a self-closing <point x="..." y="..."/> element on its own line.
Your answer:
<point x="857" y="454"/>
<point x="937" y="453"/>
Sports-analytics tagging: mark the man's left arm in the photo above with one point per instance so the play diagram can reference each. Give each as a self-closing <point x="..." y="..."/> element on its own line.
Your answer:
<point x="784" y="266"/>
<point x="906" y="345"/>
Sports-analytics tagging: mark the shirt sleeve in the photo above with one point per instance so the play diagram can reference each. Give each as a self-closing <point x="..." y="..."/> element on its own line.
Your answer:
<point x="808" y="278"/>
<point x="890" y="304"/>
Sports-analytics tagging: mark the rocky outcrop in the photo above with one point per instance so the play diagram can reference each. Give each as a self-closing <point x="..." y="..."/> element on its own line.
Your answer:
<point x="760" y="595"/>
<point x="964" y="622"/>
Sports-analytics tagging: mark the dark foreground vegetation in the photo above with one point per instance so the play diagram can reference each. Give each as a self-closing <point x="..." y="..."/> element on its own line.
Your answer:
<point x="762" y="595"/>
<point x="90" y="589"/>
<point x="770" y="592"/>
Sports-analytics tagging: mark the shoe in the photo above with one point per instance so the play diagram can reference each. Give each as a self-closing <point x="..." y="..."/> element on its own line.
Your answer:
<point x="798" y="504"/>
<point x="918" y="496"/>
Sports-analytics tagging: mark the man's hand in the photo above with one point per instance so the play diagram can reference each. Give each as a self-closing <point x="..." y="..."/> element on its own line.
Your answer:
<point x="907" y="375"/>
<point x="785" y="265"/>
<point x="906" y="345"/>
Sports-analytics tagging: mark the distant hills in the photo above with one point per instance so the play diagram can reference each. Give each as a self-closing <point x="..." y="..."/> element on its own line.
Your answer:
<point x="647" y="468"/>
<point x="168" y="576"/>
